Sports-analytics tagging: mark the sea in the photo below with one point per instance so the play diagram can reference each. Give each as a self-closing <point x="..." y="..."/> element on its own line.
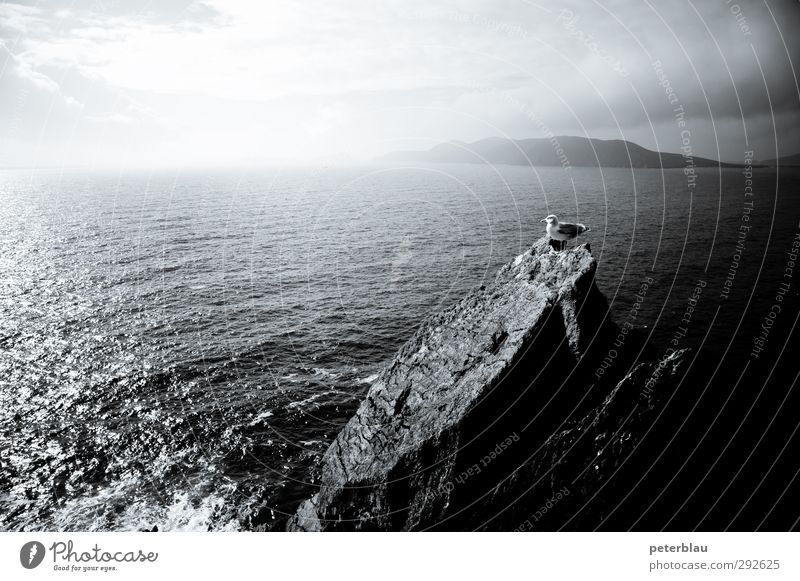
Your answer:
<point x="178" y="348"/>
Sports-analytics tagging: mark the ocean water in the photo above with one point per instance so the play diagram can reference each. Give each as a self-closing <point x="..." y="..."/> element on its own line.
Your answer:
<point x="178" y="348"/>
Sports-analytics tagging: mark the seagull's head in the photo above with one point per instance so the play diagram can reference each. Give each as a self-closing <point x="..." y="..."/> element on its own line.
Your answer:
<point x="552" y="219"/>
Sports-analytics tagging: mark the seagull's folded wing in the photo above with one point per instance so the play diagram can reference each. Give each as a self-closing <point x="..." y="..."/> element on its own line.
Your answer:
<point x="567" y="229"/>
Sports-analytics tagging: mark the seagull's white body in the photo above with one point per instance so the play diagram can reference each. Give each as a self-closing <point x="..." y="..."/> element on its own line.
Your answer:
<point x="563" y="231"/>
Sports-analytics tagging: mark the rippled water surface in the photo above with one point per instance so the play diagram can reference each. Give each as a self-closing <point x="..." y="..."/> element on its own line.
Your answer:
<point x="178" y="349"/>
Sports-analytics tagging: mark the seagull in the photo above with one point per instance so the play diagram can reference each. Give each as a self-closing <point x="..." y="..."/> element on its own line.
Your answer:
<point x="563" y="231"/>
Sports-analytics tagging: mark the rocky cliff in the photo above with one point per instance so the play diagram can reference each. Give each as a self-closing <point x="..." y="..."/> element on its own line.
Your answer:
<point x="505" y="411"/>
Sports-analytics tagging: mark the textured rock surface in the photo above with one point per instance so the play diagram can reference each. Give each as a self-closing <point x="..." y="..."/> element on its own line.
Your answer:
<point x="491" y="408"/>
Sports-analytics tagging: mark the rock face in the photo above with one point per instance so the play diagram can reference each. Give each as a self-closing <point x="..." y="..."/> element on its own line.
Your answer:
<point x="505" y="411"/>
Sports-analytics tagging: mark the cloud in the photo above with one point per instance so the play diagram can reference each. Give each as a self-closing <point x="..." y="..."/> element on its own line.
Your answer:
<point x="16" y="19"/>
<point x="313" y="78"/>
<point x="173" y="11"/>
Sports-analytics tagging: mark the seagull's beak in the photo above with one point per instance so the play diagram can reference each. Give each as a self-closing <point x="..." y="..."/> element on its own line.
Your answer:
<point x="545" y="220"/>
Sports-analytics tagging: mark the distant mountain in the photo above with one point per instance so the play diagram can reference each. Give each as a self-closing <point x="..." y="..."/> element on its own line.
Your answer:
<point x="562" y="150"/>
<point x="786" y="160"/>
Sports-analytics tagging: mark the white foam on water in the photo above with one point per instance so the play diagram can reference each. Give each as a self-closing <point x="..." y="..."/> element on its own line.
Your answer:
<point x="260" y="417"/>
<point x="325" y="372"/>
<point x="304" y="402"/>
<point x="184" y="511"/>
<point x="184" y="514"/>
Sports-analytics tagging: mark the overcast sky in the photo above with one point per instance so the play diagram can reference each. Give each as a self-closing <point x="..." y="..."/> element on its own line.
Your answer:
<point x="136" y="82"/>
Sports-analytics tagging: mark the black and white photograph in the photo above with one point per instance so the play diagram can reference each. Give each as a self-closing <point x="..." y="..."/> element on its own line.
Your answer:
<point x="468" y="266"/>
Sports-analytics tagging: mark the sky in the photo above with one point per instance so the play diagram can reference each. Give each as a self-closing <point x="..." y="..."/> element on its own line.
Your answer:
<point x="129" y="83"/>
